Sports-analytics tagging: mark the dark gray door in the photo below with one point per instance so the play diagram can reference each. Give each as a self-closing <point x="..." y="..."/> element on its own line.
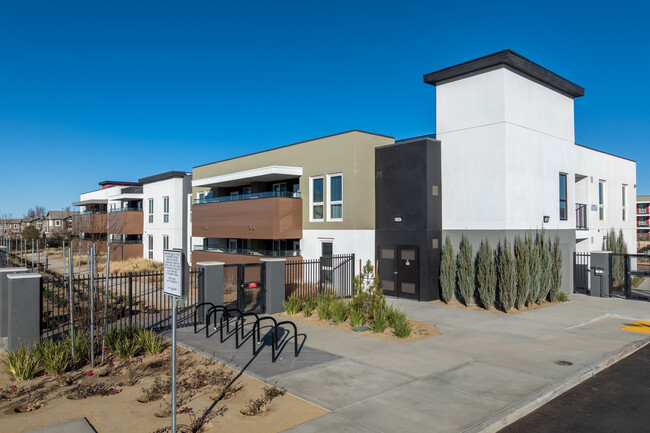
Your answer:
<point x="387" y="271"/>
<point x="408" y="271"/>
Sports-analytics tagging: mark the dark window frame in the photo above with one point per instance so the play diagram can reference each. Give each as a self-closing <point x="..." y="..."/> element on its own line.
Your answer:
<point x="563" y="180"/>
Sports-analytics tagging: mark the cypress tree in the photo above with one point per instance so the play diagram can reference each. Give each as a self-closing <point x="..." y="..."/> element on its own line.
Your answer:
<point x="618" y="262"/>
<point x="546" y="267"/>
<point x="556" y="262"/>
<point x="523" y="271"/>
<point x="486" y="275"/>
<point x="447" y="271"/>
<point x="507" y="274"/>
<point x="535" y="268"/>
<point x="465" y="272"/>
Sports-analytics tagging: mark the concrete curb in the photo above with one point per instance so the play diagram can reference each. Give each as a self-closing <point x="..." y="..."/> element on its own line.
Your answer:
<point x="534" y="401"/>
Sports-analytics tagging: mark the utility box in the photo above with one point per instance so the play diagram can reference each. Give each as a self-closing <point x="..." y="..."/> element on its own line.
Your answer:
<point x="600" y="271"/>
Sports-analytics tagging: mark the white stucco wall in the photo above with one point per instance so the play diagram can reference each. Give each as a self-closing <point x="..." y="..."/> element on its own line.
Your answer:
<point x="359" y="242"/>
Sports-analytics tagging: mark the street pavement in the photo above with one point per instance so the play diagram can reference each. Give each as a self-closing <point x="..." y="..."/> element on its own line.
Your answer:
<point x="482" y="373"/>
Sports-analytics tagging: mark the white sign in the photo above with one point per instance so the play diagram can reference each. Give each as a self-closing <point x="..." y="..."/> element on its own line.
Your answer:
<point x="173" y="273"/>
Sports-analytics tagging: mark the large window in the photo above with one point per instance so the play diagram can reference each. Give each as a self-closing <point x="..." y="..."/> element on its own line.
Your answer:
<point x="601" y="200"/>
<point x="150" y="210"/>
<point x="563" y="201"/>
<point x="166" y="209"/>
<point x="165" y="242"/>
<point x="150" y="247"/>
<point x="316" y="199"/>
<point x="335" y="197"/>
<point x="624" y="202"/>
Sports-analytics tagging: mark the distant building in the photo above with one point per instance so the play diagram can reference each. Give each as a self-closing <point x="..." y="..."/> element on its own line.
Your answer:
<point x="643" y="218"/>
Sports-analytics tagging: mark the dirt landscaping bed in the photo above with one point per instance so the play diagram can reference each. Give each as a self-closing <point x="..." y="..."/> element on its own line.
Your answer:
<point x="133" y="396"/>
<point x="420" y="330"/>
<point x="511" y="312"/>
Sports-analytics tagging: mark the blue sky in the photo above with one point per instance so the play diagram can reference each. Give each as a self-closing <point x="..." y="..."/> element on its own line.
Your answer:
<point x="91" y="91"/>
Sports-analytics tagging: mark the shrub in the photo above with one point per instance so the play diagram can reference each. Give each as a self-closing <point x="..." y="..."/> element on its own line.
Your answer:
<point x="465" y="272"/>
<point x="522" y="252"/>
<point x="367" y="295"/>
<point x="323" y="306"/>
<point x="546" y="271"/>
<point x="54" y="357"/>
<point x="357" y="317"/>
<point x="507" y="277"/>
<point x="81" y="345"/>
<point x="292" y="305"/>
<point x="339" y="309"/>
<point x="393" y="316"/>
<point x="401" y="327"/>
<point x="447" y="272"/>
<point x="617" y="246"/>
<point x="22" y="363"/>
<point x="127" y="347"/>
<point x="381" y="322"/>
<point x="150" y="342"/>
<point x="556" y="270"/>
<point x="535" y="269"/>
<point x="562" y="297"/>
<point x="308" y="308"/>
<point x="486" y="275"/>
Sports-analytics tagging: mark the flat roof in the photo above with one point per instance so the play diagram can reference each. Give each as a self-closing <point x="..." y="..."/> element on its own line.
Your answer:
<point x="515" y="61"/>
<point x="606" y="153"/>
<point x="163" y="176"/>
<point x="262" y="174"/>
<point x="643" y="198"/>
<point x="118" y="183"/>
<point x="294" y="144"/>
<point x="90" y="201"/>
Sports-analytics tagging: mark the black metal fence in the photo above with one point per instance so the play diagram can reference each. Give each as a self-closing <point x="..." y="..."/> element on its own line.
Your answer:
<point x="333" y="274"/>
<point x="132" y="299"/>
<point x="243" y="286"/>
<point x="581" y="263"/>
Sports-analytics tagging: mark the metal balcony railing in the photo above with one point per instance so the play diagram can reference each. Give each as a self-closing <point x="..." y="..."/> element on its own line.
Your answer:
<point x="581" y="216"/>
<point x="126" y="209"/>
<point x="249" y="252"/>
<point x="91" y="212"/>
<point x="266" y="194"/>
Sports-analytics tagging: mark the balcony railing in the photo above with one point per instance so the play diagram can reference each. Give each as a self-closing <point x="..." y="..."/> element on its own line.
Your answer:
<point x="581" y="216"/>
<point x="91" y="212"/>
<point x="126" y="209"/>
<point x="249" y="252"/>
<point x="125" y="242"/>
<point x="250" y="196"/>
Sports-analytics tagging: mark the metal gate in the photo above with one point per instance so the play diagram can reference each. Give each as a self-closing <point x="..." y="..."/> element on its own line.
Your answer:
<point x="581" y="263"/>
<point x="243" y="287"/>
<point x="637" y="265"/>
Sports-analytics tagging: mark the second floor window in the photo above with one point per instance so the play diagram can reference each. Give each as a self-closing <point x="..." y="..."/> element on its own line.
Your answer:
<point x="335" y="196"/>
<point x="601" y="200"/>
<point x="624" y="202"/>
<point x="643" y="208"/>
<point x="316" y="199"/>
<point x="150" y="210"/>
<point x="563" y="197"/>
<point x="165" y="242"/>
<point x="166" y="209"/>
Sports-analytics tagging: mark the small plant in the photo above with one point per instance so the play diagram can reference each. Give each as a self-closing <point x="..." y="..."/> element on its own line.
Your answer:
<point x="81" y="344"/>
<point x="292" y="305"/>
<point x="150" y="342"/>
<point x="465" y="272"/>
<point x="156" y="391"/>
<point x="401" y="326"/>
<point x="339" y="310"/>
<point x="22" y="363"/>
<point x="310" y="305"/>
<point x="85" y="390"/>
<point x="562" y="297"/>
<point x="447" y="272"/>
<point x="55" y="357"/>
<point x="323" y="307"/>
<point x="257" y="406"/>
<point x="381" y="322"/>
<point x="126" y="347"/>
<point x="357" y="317"/>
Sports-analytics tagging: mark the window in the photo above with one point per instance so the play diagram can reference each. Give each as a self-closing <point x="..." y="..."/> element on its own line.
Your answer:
<point x="624" y="202"/>
<point x="201" y="196"/>
<point x="165" y="242"/>
<point x="601" y="200"/>
<point x="279" y="188"/>
<point x="335" y="197"/>
<point x="150" y="247"/>
<point x="563" y="197"/>
<point x="150" y="210"/>
<point x="165" y="209"/>
<point x="643" y="208"/>
<point x="57" y="223"/>
<point x="316" y="199"/>
<point x="247" y="190"/>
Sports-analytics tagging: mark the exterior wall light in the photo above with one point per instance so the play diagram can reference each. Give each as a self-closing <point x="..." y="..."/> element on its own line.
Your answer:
<point x="547" y="218"/>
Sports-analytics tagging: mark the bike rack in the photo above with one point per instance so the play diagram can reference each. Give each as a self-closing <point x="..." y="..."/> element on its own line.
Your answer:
<point x="242" y="318"/>
<point x="273" y="335"/>
<point x="227" y="315"/>
<point x="213" y="311"/>
<point x="295" y="335"/>
<point x="196" y="310"/>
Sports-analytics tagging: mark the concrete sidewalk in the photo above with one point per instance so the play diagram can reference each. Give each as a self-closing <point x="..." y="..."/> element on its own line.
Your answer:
<point x="484" y="371"/>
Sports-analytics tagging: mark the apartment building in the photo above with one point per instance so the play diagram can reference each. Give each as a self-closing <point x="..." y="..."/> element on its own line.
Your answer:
<point x="504" y="162"/>
<point x="136" y="219"/>
<point x="643" y="218"/>
<point x="59" y="222"/>
<point x="166" y="225"/>
<point x="309" y="199"/>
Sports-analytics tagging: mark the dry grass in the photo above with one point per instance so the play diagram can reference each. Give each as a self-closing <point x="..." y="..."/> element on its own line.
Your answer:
<point x="138" y="264"/>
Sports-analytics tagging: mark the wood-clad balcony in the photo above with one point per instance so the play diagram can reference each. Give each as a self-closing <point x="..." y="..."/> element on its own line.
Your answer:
<point x="89" y="222"/>
<point x="125" y="222"/>
<point x="125" y="250"/>
<point x="252" y="218"/>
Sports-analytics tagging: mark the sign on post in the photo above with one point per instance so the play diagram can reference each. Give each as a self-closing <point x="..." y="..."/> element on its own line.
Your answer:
<point x="173" y="273"/>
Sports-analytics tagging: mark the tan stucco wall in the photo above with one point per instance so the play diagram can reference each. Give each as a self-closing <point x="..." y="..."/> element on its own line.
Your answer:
<point x="351" y="153"/>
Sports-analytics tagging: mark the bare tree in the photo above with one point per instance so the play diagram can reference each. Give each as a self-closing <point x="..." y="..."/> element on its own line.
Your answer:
<point x="36" y="211"/>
